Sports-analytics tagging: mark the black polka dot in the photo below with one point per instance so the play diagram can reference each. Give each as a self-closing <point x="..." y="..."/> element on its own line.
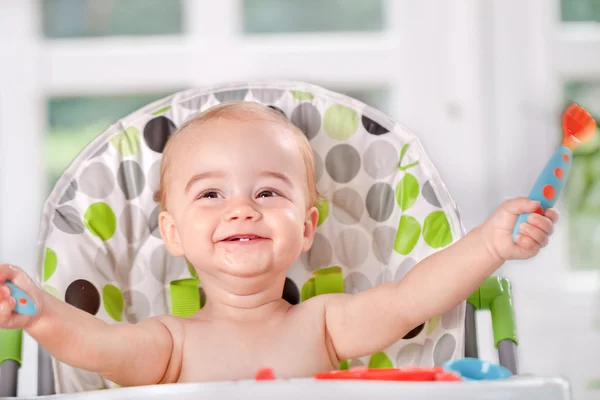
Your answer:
<point x="278" y="110"/>
<point x="414" y="333"/>
<point x="373" y="127"/>
<point x="290" y="292"/>
<point x="202" y="296"/>
<point x="157" y="131"/>
<point x="83" y="295"/>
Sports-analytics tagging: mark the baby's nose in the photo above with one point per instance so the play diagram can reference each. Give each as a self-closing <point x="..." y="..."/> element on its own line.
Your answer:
<point x="242" y="212"/>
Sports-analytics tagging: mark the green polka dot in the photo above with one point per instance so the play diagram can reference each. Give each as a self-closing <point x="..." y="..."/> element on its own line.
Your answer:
<point x="50" y="263"/>
<point x="191" y="269"/>
<point x="323" y="207"/>
<point x="380" y="360"/>
<point x="298" y="95"/>
<point x="100" y="219"/>
<point x="340" y="122"/>
<point x="407" y="235"/>
<point x="161" y="110"/>
<point x="53" y="291"/>
<point x="436" y="230"/>
<point x="433" y="324"/>
<point x="407" y="191"/>
<point x="127" y="142"/>
<point x="113" y="302"/>
<point x="344" y="365"/>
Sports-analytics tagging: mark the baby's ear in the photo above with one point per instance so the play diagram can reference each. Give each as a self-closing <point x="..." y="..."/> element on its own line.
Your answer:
<point x="310" y="227"/>
<point x="169" y="233"/>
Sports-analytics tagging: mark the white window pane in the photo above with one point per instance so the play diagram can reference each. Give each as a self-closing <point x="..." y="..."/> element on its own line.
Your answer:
<point x="582" y="192"/>
<point x="276" y="16"/>
<point x="92" y="18"/>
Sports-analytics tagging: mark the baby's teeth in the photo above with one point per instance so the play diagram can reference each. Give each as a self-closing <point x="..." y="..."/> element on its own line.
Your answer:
<point x="244" y="239"/>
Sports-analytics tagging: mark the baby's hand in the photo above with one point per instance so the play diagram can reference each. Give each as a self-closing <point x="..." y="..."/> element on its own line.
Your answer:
<point x="498" y="229"/>
<point x="8" y="318"/>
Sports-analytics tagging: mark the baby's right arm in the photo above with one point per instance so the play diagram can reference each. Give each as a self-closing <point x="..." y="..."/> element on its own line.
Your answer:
<point x="127" y="354"/>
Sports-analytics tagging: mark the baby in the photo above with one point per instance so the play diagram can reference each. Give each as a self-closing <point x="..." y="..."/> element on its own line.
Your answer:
<point x="237" y="190"/>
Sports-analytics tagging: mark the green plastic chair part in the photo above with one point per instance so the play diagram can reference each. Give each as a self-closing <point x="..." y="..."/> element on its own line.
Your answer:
<point x="10" y="345"/>
<point x="185" y="297"/>
<point x="495" y="295"/>
<point x="324" y="281"/>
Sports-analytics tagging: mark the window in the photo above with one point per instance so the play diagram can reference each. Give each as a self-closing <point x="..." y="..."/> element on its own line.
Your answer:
<point x="90" y="18"/>
<point x="580" y="10"/>
<point x="276" y="16"/>
<point x="75" y="121"/>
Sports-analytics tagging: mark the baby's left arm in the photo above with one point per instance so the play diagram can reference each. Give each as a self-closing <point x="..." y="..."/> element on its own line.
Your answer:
<point x="370" y="321"/>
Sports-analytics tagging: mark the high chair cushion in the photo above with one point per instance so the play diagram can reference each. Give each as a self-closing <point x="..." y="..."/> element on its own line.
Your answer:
<point x="385" y="208"/>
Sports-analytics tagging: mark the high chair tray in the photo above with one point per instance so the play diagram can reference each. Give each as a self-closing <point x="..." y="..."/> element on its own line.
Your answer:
<point x="526" y="388"/>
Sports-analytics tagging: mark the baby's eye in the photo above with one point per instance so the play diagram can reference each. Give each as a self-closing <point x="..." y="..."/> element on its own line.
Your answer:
<point x="210" y="195"/>
<point x="268" y="193"/>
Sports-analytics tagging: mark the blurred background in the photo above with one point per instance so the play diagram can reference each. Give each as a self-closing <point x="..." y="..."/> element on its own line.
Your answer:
<point x="481" y="82"/>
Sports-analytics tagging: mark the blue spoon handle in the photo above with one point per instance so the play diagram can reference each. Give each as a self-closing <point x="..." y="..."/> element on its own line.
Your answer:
<point x="549" y="183"/>
<point x="24" y="305"/>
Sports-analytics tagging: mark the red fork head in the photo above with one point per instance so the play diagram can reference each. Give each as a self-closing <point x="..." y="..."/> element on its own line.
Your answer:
<point x="578" y="126"/>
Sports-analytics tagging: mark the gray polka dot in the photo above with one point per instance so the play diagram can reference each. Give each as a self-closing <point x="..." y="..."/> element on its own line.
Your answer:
<point x="409" y="355"/>
<point x="105" y="263"/>
<point x="383" y="277"/>
<point x="380" y="201"/>
<point x="154" y="177"/>
<point x="100" y="151"/>
<point x="404" y="267"/>
<point x="352" y="248"/>
<point x="320" y="253"/>
<point x="153" y="222"/>
<point x="450" y="318"/>
<point x="229" y="95"/>
<point x="68" y="220"/>
<point x="356" y="282"/>
<point x="308" y="119"/>
<point x="164" y="267"/>
<point x="267" y="96"/>
<point x="383" y="243"/>
<point x="429" y="194"/>
<point x="357" y="362"/>
<point x="97" y="181"/>
<point x="160" y="304"/>
<point x="380" y="159"/>
<point x="195" y="103"/>
<point x="427" y="354"/>
<point x="137" y="306"/>
<point x="69" y="193"/>
<point x="318" y="167"/>
<point x="348" y="206"/>
<point x="133" y="224"/>
<point x="444" y="349"/>
<point x="128" y="271"/>
<point x="342" y="163"/>
<point x="131" y="179"/>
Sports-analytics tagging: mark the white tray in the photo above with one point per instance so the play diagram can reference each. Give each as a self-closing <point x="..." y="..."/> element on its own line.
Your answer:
<point x="305" y="389"/>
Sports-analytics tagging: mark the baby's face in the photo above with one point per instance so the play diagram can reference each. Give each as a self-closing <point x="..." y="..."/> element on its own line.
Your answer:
<point x="237" y="199"/>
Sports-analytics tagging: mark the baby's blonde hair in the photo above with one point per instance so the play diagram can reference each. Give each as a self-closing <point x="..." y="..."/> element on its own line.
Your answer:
<point x="242" y="111"/>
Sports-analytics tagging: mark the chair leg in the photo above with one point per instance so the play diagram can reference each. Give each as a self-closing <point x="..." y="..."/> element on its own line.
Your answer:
<point x="507" y="355"/>
<point x="9" y="378"/>
<point x="45" y="373"/>
<point x="471" y="349"/>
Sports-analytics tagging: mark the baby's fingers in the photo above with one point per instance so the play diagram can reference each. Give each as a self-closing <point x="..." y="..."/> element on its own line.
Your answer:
<point x="538" y="235"/>
<point x="541" y="222"/>
<point x="553" y="214"/>
<point x="7" y="305"/>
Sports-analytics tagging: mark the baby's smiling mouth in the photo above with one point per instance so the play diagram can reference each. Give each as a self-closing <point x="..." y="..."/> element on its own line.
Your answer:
<point x="242" y="238"/>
